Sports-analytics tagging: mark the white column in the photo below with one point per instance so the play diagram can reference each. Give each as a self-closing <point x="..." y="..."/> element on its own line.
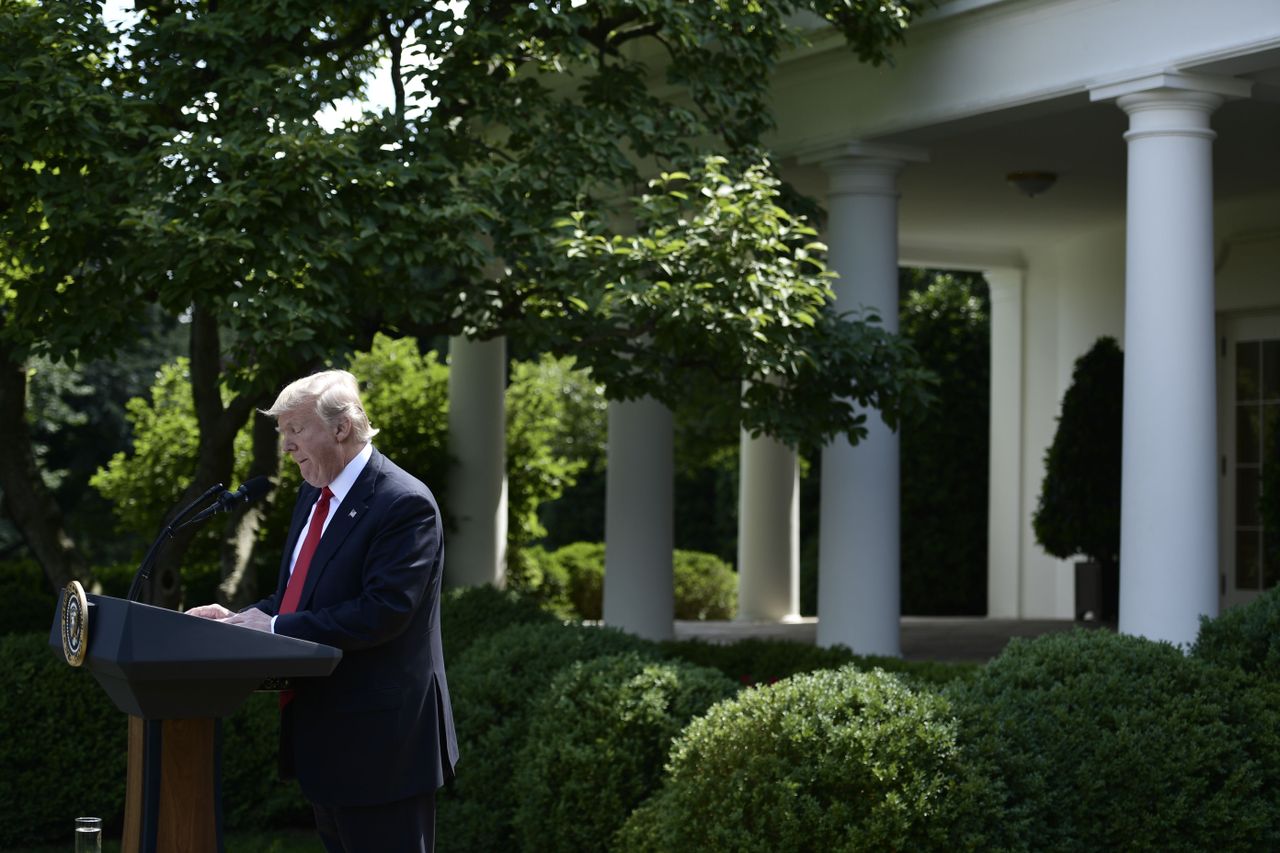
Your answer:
<point x="1169" y="488"/>
<point x="1006" y="517"/>
<point x="859" y="590"/>
<point x="639" y="523"/>
<point x="476" y="552"/>
<point x="768" y="530"/>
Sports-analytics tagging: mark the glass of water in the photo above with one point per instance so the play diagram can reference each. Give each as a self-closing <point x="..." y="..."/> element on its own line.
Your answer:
<point x="88" y="835"/>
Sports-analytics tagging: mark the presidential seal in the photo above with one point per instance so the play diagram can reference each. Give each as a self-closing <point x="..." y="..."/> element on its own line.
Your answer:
<point x="75" y="623"/>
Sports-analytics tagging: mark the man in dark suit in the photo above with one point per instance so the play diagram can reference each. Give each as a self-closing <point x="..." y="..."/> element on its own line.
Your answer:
<point x="361" y="571"/>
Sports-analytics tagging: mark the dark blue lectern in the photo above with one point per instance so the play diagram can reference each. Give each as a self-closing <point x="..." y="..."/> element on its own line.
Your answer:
<point x="175" y="675"/>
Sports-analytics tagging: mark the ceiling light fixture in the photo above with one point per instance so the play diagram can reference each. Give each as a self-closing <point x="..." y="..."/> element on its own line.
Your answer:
<point x="1031" y="184"/>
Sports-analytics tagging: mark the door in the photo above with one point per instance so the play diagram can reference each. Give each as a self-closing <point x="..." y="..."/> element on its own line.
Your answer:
<point x="1249" y="356"/>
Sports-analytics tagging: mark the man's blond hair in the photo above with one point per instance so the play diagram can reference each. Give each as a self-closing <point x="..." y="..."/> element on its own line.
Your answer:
<point x="334" y="395"/>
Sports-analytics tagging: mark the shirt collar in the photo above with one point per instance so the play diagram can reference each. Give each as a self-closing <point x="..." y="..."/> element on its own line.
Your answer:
<point x="343" y="482"/>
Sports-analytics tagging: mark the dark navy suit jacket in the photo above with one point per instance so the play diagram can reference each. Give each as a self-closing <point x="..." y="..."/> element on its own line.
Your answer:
<point x="380" y="728"/>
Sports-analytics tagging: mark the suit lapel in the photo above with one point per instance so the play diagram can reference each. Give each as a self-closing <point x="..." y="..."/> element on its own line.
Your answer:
<point x="350" y="513"/>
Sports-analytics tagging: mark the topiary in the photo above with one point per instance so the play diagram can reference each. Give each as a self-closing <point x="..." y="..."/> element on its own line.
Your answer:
<point x="706" y="587"/>
<point x="494" y="685"/>
<point x="538" y="574"/>
<point x="596" y="742"/>
<point x="1097" y="741"/>
<point x="833" y="760"/>
<point x="62" y="745"/>
<point x="583" y="562"/>
<point x="472" y="612"/>
<point x="757" y="660"/>
<point x="1079" y="509"/>
<point x="1246" y="637"/>
<point x="27" y="600"/>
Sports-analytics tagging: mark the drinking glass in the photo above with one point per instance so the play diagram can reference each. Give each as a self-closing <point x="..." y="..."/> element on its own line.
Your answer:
<point x="88" y="835"/>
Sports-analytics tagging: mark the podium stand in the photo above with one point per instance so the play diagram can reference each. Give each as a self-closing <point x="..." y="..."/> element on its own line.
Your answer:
<point x="175" y="675"/>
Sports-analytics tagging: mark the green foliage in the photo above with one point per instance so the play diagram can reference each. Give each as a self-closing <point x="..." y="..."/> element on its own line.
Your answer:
<point x="27" y="603"/>
<point x="472" y="613"/>
<point x="494" y="686"/>
<point x="761" y="661"/>
<point x="538" y="574"/>
<point x="944" y="456"/>
<point x="545" y="404"/>
<point x="1079" y="509"/>
<point x="706" y="587"/>
<point x="725" y="281"/>
<point x="833" y="760"/>
<point x="1098" y="741"/>
<point x="406" y="395"/>
<point x="596" y="742"/>
<point x="1245" y="637"/>
<point x="145" y="485"/>
<point x="583" y="562"/>
<point x="62" y="744"/>
<point x="254" y="797"/>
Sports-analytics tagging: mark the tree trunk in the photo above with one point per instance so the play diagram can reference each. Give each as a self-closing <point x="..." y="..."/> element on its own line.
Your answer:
<point x="215" y="460"/>
<point x="239" y="586"/>
<point x="27" y="500"/>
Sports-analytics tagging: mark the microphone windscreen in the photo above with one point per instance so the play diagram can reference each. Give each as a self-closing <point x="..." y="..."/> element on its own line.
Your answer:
<point x="255" y="488"/>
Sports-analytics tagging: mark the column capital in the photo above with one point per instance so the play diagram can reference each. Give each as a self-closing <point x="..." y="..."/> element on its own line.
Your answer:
<point x="863" y="167"/>
<point x="1169" y="83"/>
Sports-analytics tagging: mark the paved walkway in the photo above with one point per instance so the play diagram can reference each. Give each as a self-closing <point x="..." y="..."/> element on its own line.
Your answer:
<point x="943" y="638"/>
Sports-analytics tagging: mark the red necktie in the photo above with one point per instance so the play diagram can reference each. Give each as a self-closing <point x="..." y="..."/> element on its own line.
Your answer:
<point x="293" y="590"/>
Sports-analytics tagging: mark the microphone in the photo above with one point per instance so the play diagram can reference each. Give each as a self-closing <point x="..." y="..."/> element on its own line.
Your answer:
<point x="251" y="491"/>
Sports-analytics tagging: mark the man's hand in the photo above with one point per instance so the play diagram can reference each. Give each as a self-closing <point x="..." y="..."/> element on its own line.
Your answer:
<point x="251" y="618"/>
<point x="211" y="611"/>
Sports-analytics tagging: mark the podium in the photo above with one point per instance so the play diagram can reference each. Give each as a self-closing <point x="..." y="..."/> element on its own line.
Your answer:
<point x="175" y="675"/>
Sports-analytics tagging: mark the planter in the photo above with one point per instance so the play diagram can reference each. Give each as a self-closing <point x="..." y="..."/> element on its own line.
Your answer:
<point x="1097" y="592"/>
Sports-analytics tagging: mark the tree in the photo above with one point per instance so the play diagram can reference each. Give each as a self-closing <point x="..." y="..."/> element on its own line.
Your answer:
<point x="1079" y="509"/>
<point x="183" y="166"/>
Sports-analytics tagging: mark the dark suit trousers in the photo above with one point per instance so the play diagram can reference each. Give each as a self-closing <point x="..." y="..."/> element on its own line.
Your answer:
<point x="407" y="826"/>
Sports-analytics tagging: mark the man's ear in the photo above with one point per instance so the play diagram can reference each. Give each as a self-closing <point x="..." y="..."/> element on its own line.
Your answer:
<point x="342" y="430"/>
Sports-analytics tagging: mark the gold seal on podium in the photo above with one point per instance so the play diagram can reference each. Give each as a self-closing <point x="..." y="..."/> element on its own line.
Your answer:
<point x="75" y="623"/>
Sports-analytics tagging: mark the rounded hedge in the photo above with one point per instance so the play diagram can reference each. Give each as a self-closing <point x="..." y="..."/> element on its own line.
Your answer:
<point x="706" y="587"/>
<point x="62" y="745"/>
<point x="1246" y="637"/>
<point x="596" y="743"/>
<point x="1097" y="741"/>
<point x="494" y="685"/>
<point x="470" y="613"/>
<point x="833" y="760"/>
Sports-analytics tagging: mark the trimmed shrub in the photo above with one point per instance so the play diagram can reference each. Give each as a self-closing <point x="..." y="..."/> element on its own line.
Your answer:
<point x="706" y="587"/>
<point x="834" y="760"/>
<point x="1246" y="637"/>
<point x="596" y="742"/>
<point x="254" y="797"/>
<point x="538" y="574"/>
<point x="27" y="601"/>
<point x="494" y="686"/>
<point x="62" y="745"/>
<point x="764" y="661"/>
<point x="1096" y="741"/>
<point x="472" y="612"/>
<point x="583" y="562"/>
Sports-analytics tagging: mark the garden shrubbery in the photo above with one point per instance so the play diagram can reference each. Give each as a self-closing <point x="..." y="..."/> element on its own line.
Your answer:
<point x="832" y="760"/>
<point x="596" y="742"/>
<point x="1246" y="637"/>
<point x="494" y="685"/>
<point x="1097" y="741"/>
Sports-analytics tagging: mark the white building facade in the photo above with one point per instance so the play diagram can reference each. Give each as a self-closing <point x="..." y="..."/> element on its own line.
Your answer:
<point x="1160" y="120"/>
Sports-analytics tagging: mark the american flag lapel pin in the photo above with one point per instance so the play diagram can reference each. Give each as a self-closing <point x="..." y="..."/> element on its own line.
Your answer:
<point x="352" y="514"/>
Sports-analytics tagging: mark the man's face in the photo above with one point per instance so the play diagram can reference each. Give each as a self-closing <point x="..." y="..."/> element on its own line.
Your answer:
<point x="313" y="444"/>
